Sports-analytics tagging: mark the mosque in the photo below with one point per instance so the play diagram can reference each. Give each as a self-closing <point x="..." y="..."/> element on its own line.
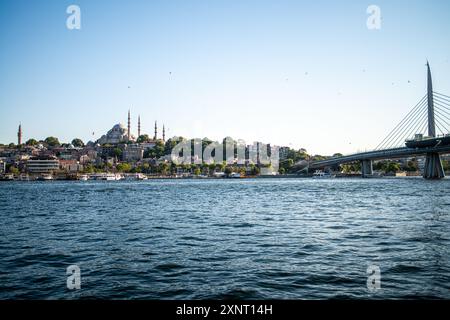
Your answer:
<point x="121" y="134"/>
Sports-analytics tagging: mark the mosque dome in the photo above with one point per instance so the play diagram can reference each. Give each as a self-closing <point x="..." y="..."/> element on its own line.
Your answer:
<point x="117" y="134"/>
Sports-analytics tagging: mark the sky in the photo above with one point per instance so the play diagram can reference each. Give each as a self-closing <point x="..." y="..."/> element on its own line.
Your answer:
<point x="303" y="74"/>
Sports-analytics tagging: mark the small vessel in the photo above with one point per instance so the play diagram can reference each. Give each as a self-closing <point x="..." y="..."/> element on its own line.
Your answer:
<point x="45" y="177"/>
<point x="235" y="175"/>
<point x="7" y="177"/>
<point x="421" y="141"/>
<point x="24" y="177"/>
<point x="135" y="176"/>
<point x="111" y="177"/>
<point x="319" y="174"/>
<point x="83" y="177"/>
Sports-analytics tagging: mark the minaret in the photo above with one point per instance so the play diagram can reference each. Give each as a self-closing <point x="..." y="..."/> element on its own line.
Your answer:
<point x="139" y="126"/>
<point x="129" y="126"/>
<point x="431" y="124"/>
<point x="156" y="131"/>
<point x="19" y="135"/>
<point x="164" y="133"/>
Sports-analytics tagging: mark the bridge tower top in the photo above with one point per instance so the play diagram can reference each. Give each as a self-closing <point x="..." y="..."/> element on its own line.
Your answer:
<point x="431" y="123"/>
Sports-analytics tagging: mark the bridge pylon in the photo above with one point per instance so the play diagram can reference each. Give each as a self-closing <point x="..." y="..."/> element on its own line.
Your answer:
<point x="433" y="167"/>
<point x="433" y="164"/>
<point x="366" y="168"/>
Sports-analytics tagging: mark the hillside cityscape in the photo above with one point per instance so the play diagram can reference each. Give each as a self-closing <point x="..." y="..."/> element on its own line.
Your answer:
<point x="119" y="154"/>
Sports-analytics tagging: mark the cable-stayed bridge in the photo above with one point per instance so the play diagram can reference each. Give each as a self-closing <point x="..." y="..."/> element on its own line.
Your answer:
<point x="423" y="132"/>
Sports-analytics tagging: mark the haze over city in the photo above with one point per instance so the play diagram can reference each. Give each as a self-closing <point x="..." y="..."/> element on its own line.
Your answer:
<point x="289" y="73"/>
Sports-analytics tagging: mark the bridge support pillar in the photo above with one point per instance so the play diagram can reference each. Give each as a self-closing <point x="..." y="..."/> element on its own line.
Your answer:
<point x="433" y="167"/>
<point x="366" y="168"/>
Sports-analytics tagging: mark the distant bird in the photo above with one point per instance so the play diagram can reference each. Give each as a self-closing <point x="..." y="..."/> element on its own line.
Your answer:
<point x="364" y="70"/>
<point x="306" y="73"/>
<point x="409" y="81"/>
<point x="129" y="87"/>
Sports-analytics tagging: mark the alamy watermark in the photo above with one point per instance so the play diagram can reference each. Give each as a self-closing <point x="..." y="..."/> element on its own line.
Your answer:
<point x="73" y="21"/>
<point x="374" y="20"/>
<point x="231" y="152"/>
<point x="74" y="277"/>
<point x="373" y="278"/>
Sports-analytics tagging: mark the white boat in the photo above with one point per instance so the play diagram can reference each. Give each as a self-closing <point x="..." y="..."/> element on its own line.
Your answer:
<point x="83" y="177"/>
<point x="135" y="176"/>
<point x="24" y="177"/>
<point x="45" y="177"/>
<point x="111" y="177"/>
<point x="319" y="174"/>
<point x="7" y="177"/>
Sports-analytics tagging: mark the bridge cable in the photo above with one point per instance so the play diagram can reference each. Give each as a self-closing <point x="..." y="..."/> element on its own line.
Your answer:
<point x="401" y="124"/>
<point x="442" y="101"/>
<point x="388" y="138"/>
<point x="438" y="125"/>
<point x="441" y="94"/>
<point x="442" y="114"/>
<point x="413" y="129"/>
<point x="442" y="117"/>
<point x="409" y="129"/>
<point x="444" y="107"/>
<point x="394" y="137"/>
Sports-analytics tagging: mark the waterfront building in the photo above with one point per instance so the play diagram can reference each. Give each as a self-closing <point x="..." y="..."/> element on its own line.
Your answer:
<point x="70" y="166"/>
<point x="133" y="152"/>
<point x="284" y="153"/>
<point x="148" y="145"/>
<point x="42" y="165"/>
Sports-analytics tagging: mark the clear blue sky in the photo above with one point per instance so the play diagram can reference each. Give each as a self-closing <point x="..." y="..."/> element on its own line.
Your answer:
<point x="297" y="73"/>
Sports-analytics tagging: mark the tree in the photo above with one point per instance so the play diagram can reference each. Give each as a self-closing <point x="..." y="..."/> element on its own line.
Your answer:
<point x="228" y="171"/>
<point x="77" y="143"/>
<point x="171" y="143"/>
<point x="123" y="167"/>
<point x="117" y="152"/>
<point x="282" y="171"/>
<point x="143" y="138"/>
<point x="393" y="167"/>
<point x="14" y="170"/>
<point x="163" y="168"/>
<point x="157" y="151"/>
<point x="31" y="142"/>
<point x="52" y="142"/>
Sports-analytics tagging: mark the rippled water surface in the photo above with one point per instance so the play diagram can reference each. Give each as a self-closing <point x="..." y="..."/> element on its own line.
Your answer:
<point x="250" y="239"/>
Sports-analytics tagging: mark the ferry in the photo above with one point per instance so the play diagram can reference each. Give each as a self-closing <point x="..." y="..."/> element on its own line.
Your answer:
<point x="319" y="174"/>
<point x="421" y="141"/>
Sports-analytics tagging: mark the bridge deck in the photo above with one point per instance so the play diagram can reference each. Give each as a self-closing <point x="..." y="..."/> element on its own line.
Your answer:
<point x="379" y="155"/>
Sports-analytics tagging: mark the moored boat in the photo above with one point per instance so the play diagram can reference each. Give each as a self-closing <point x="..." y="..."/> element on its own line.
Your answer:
<point x="319" y="174"/>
